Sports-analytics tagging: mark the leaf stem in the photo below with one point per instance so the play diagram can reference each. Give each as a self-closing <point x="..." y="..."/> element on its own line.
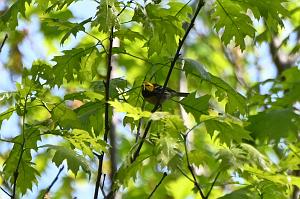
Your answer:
<point x="159" y="183"/>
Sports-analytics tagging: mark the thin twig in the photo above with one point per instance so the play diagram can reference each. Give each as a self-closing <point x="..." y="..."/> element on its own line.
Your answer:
<point x="106" y="112"/>
<point x="99" y="40"/>
<point x="213" y="184"/>
<point x="159" y="183"/>
<point x="3" y="42"/>
<point x="128" y="3"/>
<point x="54" y="181"/>
<point x="99" y="175"/>
<point x="191" y="168"/>
<point x="16" y="172"/>
<point x="185" y="175"/>
<point x="173" y="63"/>
<point x="5" y="192"/>
<point x="102" y="186"/>
<point x="10" y="141"/>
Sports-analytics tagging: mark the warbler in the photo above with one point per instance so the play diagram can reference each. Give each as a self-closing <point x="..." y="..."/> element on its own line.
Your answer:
<point x="151" y="93"/>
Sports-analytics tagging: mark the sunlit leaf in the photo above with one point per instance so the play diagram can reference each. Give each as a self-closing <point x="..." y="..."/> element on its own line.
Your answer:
<point x="74" y="160"/>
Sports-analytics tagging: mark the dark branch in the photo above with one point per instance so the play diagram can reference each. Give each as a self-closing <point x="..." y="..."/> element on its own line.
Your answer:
<point x="191" y="168"/>
<point x="99" y="173"/>
<point x="107" y="122"/>
<point x="3" y="42"/>
<point x="280" y="65"/>
<point x="54" y="181"/>
<point x="173" y="63"/>
<point x="128" y="3"/>
<point x="185" y="175"/>
<point x="16" y="172"/>
<point x="5" y="192"/>
<point x="213" y="184"/>
<point x="159" y="183"/>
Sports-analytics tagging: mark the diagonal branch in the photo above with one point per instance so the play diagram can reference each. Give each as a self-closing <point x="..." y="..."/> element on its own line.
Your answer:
<point x="191" y="168"/>
<point x="6" y="192"/>
<point x="173" y="63"/>
<point x="54" y="181"/>
<point x="159" y="183"/>
<point x="3" y="42"/>
<point x="213" y="184"/>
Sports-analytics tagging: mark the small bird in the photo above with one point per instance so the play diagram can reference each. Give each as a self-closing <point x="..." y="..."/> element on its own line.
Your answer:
<point x="152" y="91"/>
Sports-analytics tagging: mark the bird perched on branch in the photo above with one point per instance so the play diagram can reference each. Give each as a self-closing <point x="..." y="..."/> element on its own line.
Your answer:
<point x="152" y="91"/>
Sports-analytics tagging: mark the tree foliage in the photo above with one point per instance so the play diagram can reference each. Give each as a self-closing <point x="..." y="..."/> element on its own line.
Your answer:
<point x="236" y="135"/>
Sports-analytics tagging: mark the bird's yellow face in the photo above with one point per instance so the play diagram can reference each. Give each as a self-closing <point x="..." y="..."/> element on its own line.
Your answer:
<point x="148" y="86"/>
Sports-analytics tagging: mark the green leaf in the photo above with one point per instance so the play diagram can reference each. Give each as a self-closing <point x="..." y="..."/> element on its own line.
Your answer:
<point x="74" y="160"/>
<point x="163" y="27"/>
<point x="167" y="147"/>
<point x="248" y="192"/>
<point x="76" y="64"/>
<point x="59" y="4"/>
<point x="6" y="115"/>
<point x="244" y="154"/>
<point x="65" y="117"/>
<point x="272" y="11"/>
<point x="236" y="103"/>
<point x="227" y="131"/>
<point x="67" y="65"/>
<point x="233" y="22"/>
<point x="173" y="124"/>
<point x="9" y="20"/>
<point x="128" y="170"/>
<point x="27" y="174"/>
<point x="271" y="190"/>
<point x="82" y="140"/>
<point x="91" y="117"/>
<point x="274" y="124"/>
<point x="232" y="157"/>
<point x="196" y="105"/>
<point x="134" y="112"/>
<point x="93" y="96"/>
<point x="117" y="86"/>
<point x="128" y="34"/>
<point x="291" y="88"/>
<point x="106" y="16"/>
<point x="254" y="156"/>
<point x="281" y="179"/>
<point x="66" y="27"/>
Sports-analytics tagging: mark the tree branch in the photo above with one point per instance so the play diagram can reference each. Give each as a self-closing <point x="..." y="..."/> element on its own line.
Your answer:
<point x="6" y="192"/>
<point x="54" y="181"/>
<point x="3" y="42"/>
<point x="16" y="172"/>
<point x="191" y="168"/>
<point x="185" y="175"/>
<point x="107" y="122"/>
<point x="213" y="184"/>
<point x="173" y="63"/>
<point x="159" y="183"/>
